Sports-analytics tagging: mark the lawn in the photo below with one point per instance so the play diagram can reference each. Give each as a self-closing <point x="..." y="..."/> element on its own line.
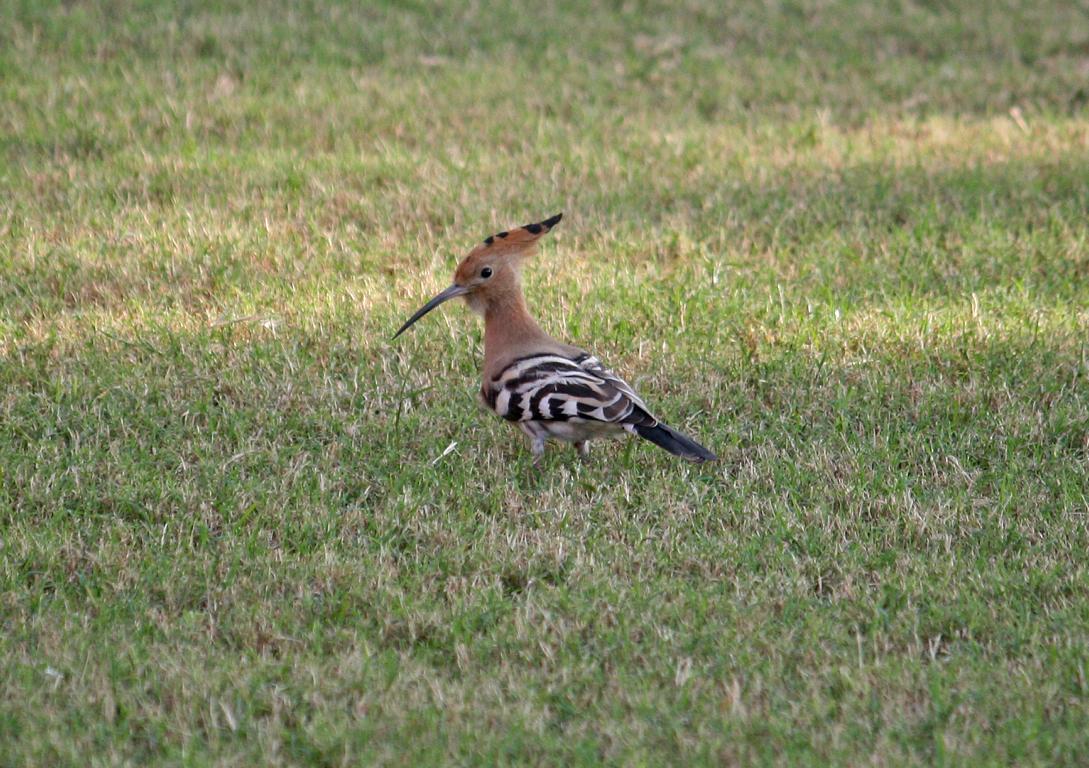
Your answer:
<point x="843" y="244"/>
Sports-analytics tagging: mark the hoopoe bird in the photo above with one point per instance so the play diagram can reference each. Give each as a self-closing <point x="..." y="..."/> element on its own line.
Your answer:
<point x="551" y="390"/>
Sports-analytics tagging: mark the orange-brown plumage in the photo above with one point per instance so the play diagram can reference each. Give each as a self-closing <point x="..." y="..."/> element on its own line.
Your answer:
<point x="550" y="389"/>
<point x="509" y="328"/>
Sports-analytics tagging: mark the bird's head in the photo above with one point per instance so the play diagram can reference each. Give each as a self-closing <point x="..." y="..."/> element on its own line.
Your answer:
<point x="490" y="271"/>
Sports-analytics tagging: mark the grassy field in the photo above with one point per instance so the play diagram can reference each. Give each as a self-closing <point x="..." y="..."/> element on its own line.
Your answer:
<point x="843" y="244"/>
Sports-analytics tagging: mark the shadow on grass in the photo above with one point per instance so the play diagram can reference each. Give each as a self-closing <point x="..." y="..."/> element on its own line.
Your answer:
<point x="864" y="231"/>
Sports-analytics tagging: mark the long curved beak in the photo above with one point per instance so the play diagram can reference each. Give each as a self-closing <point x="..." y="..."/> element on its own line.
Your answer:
<point x="452" y="292"/>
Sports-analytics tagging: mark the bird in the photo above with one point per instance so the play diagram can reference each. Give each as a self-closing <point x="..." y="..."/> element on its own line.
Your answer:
<point x="549" y="389"/>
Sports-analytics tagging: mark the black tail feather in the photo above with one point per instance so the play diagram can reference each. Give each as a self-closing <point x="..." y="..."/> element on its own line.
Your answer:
<point x="674" y="442"/>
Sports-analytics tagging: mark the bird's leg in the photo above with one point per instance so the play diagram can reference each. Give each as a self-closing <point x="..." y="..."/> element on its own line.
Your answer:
<point x="536" y="443"/>
<point x="537" y="448"/>
<point x="583" y="449"/>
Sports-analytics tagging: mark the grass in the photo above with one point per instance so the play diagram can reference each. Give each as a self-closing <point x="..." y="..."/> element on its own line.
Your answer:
<point x="844" y="244"/>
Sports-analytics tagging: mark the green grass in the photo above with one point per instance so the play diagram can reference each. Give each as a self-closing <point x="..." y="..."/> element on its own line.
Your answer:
<point x="844" y="245"/>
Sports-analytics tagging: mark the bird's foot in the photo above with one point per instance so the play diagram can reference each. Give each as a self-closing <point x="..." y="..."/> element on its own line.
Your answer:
<point x="537" y="448"/>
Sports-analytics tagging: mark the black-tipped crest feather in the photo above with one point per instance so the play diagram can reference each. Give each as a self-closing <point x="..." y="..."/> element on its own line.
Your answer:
<point x="537" y="228"/>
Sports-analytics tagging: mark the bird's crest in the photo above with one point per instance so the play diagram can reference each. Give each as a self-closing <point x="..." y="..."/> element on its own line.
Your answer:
<point x="508" y="247"/>
<point x="516" y="239"/>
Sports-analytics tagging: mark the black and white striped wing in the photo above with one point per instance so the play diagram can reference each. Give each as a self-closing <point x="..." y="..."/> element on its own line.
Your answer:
<point x="592" y="365"/>
<point x="552" y="387"/>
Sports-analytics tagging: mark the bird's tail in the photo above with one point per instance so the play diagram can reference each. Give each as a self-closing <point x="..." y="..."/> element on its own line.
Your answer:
<point x="673" y="441"/>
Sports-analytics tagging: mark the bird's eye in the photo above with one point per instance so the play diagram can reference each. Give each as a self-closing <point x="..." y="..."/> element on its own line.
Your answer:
<point x="486" y="272"/>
